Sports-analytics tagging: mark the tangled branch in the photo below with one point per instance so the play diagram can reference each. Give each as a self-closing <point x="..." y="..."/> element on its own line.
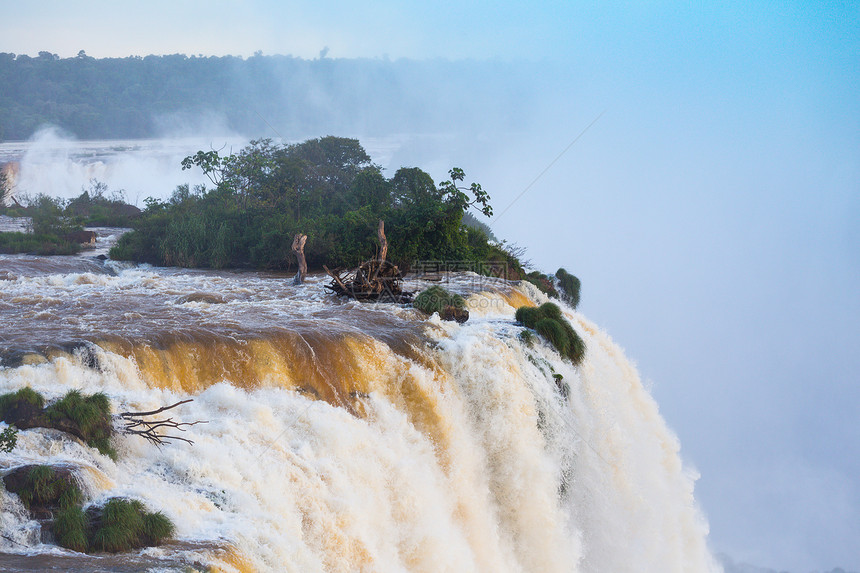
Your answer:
<point x="152" y="429"/>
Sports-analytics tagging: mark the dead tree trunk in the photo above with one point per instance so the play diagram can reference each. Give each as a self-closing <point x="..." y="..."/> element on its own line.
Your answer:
<point x="299" y="251"/>
<point x="383" y="242"/>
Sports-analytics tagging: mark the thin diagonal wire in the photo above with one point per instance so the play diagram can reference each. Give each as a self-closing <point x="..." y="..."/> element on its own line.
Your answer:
<point x="547" y="168"/>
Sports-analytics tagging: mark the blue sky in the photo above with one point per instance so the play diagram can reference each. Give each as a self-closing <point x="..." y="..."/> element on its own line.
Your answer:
<point x="712" y="213"/>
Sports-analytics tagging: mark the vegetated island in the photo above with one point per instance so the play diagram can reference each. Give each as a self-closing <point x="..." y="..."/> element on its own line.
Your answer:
<point x="326" y="188"/>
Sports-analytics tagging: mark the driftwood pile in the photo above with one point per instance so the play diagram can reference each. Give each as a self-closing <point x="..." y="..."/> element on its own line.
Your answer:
<point x="375" y="280"/>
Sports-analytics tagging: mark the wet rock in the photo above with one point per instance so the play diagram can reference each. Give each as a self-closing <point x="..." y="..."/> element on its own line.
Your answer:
<point x="207" y="297"/>
<point x="461" y="315"/>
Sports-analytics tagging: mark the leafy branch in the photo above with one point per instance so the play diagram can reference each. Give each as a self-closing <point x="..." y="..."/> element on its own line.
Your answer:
<point x="456" y="194"/>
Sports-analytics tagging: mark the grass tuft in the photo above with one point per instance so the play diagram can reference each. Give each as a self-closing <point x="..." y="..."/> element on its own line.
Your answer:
<point x="70" y="529"/>
<point x="156" y="527"/>
<point x="125" y="525"/>
<point x="552" y="330"/>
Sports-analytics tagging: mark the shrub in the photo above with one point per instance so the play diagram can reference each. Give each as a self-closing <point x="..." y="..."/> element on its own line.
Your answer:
<point x="8" y="439"/>
<point x="435" y="299"/>
<point x="156" y="527"/>
<point x="552" y="330"/>
<point x="570" y="286"/>
<point x="121" y="525"/>
<point x="577" y="347"/>
<point x="527" y="316"/>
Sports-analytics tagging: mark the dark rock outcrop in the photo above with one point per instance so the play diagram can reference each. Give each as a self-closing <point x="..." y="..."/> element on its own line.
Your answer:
<point x="461" y="315"/>
<point x="82" y="237"/>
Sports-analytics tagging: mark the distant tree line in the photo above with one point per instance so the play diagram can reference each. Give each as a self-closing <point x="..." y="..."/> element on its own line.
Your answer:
<point x="326" y="188"/>
<point x="139" y="97"/>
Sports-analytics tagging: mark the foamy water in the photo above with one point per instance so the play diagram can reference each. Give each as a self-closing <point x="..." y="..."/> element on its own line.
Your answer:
<point x="348" y="437"/>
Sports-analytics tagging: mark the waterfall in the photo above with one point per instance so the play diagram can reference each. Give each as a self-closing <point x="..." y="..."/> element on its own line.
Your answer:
<point x="349" y="437"/>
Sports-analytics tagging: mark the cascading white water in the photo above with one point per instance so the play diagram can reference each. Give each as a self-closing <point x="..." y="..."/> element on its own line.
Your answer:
<point x="459" y="453"/>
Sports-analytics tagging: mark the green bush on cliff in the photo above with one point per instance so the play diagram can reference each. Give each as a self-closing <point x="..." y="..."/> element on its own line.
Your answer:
<point x="548" y="321"/>
<point x="435" y="299"/>
<point x="542" y="282"/>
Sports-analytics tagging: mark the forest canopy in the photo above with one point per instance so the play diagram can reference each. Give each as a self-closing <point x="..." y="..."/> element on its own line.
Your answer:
<point x="152" y="96"/>
<point x="326" y="188"/>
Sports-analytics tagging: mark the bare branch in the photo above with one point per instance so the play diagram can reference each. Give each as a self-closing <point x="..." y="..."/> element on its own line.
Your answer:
<point x="137" y="414"/>
<point x="151" y="429"/>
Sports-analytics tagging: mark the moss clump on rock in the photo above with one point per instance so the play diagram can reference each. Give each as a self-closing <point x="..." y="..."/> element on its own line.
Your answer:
<point x="43" y="488"/>
<point x="89" y="414"/>
<point x="25" y="398"/>
<point x="87" y="417"/>
<point x="548" y="321"/>
<point x="436" y="299"/>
